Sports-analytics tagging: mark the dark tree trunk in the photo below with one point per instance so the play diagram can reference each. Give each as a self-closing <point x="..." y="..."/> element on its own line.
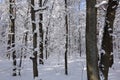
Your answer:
<point x="11" y="36"/>
<point x="41" y="35"/>
<point x="9" y="45"/>
<point x="80" y="49"/>
<point x="26" y="37"/>
<point x="34" y="58"/>
<point x="20" y="64"/>
<point x="106" y="60"/>
<point x="91" y="41"/>
<point x="46" y="43"/>
<point x="66" y="45"/>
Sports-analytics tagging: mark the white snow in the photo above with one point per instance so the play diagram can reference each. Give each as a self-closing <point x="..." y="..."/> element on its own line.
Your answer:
<point x="51" y="70"/>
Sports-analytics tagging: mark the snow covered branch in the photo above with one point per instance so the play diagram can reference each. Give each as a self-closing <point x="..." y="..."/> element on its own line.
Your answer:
<point x="101" y="4"/>
<point x="41" y="8"/>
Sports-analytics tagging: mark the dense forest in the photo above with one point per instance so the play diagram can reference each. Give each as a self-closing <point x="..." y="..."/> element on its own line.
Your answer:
<point x="59" y="39"/>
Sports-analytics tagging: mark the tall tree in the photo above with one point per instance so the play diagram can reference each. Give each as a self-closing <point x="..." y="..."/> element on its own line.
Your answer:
<point x="91" y="41"/>
<point x="66" y="45"/>
<point x="47" y="30"/>
<point x="27" y="28"/>
<point x="106" y="60"/>
<point x="34" y="58"/>
<point x="41" y="35"/>
<point x="11" y="36"/>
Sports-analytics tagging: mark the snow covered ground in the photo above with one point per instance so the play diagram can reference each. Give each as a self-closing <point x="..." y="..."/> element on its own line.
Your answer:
<point x="114" y="73"/>
<point x="53" y="69"/>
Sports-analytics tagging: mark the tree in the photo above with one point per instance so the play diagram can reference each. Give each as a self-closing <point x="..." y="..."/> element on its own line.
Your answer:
<point x="11" y="36"/>
<point x="47" y="30"/>
<point x="91" y="41"/>
<point x="106" y="60"/>
<point x="41" y="35"/>
<point x="66" y="45"/>
<point x="34" y="58"/>
<point x="27" y="28"/>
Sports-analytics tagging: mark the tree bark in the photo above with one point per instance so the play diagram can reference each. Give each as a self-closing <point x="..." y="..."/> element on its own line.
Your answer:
<point x="11" y="36"/>
<point x="66" y="45"/>
<point x="34" y="58"/>
<point x="106" y="60"/>
<point x="91" y="41"/>
<point x="41" y="35"/>
<point x="46" y="43"/>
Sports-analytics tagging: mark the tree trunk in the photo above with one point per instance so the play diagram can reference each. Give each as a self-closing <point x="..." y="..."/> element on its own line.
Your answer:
<point x="107" y="41"/>
<point x="27" y="32"/>
<point x="11" y="36"/>
<point x="46" y="43"/>
<point x="41" y="35"/>
<point x="34" y="58"/>
<point x="79" y="47"/>
<point x="66" y="45"/>
<point x="91" y="41"/>
<point x="47" y="31"/>
<point x="26" y="37"/>
<point x="20" y="64"/>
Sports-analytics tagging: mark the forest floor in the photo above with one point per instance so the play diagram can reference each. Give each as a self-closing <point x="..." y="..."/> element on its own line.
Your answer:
<point x="53" y="69"/>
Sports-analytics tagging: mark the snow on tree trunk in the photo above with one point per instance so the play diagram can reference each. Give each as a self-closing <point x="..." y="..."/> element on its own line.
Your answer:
<point x="11" y="34"/>
<point x="106" y="60"/>
<point x="34" y="58"/>
<point x="41" y="35"/>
